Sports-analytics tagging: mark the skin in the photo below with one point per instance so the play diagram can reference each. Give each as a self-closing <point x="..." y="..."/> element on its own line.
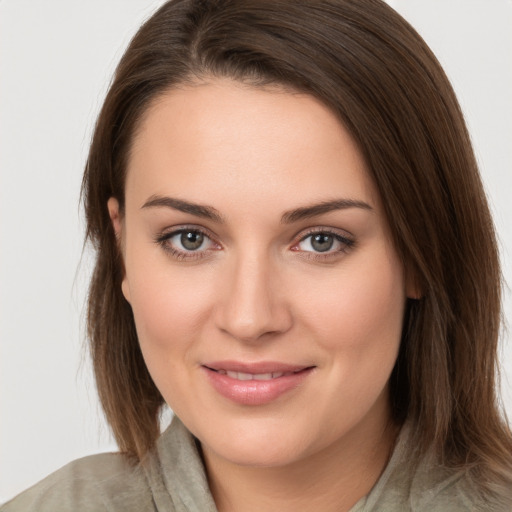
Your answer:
<point x="258" y="290"/>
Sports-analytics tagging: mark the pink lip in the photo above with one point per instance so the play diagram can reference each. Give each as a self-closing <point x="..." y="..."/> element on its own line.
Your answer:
<point x="258" y="367"/>
<point x="255" y="392"/>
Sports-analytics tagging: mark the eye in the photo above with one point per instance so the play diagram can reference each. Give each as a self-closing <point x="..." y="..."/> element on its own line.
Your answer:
<point x="185" y="243"/>
<point x="189" y="240"/>
<point x="323" y="243"/>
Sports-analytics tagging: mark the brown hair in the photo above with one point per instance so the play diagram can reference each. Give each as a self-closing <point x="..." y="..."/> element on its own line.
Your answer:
<point x="371" y="68"/>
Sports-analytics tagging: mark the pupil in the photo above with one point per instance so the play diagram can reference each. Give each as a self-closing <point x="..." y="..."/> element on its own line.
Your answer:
<point x="322" y="242"/>
<point x="191" y="240"/>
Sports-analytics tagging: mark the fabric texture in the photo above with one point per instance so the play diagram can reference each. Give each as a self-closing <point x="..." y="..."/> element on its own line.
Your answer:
<point x="173" y="479"/>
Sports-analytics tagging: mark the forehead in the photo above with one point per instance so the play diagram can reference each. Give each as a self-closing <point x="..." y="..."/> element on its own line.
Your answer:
<point x="221" y="141"/>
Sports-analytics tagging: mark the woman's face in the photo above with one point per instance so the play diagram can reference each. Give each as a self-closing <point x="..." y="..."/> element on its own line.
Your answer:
<point x="267" y="295"/>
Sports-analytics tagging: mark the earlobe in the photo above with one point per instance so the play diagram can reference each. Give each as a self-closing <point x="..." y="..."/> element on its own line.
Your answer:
<point x="125" y="288"/>
<point x="115" y="218"/>
<point x="414" y="294"/>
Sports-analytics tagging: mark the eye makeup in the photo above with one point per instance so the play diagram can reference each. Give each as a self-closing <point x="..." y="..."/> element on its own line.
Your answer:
<point x="323" y="244"/>
<point x="192" y="243"/>
<point x="196" y="243"/>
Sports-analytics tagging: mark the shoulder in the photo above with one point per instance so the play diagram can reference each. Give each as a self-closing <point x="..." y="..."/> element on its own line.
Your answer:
<point x="435" y="488"/>
<point x="441" y="491"/>
<point x="430" y="489"/>
<point x="170" y="478"/>
<point x="99" y="482"/>
<point x="412" y="484"/>
<point x="460" y="492"/>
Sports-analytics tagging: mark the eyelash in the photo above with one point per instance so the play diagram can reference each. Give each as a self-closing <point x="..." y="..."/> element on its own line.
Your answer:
<point x="346" y="244"/>
<point x="163" y="240"/>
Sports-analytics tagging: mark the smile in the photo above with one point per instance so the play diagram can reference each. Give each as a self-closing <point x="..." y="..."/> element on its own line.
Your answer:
<point x="255" y="384"/>
<point x="255" y="376"/>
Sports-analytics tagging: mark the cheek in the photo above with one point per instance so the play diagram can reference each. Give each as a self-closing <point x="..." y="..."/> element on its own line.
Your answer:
<point x="356" y="318"/>
<point x="169" y="313"/>
<point x="360" y="310"/>
<point x="169" y="308"/>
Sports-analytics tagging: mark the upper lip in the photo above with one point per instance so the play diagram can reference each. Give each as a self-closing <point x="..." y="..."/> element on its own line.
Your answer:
<point x="259" y="367"/>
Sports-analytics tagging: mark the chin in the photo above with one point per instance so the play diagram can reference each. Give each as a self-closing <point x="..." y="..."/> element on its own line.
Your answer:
<point x="257" y="443"/>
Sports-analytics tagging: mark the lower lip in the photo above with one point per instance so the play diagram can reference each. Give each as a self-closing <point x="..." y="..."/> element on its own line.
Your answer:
<point x="255" y="392"/>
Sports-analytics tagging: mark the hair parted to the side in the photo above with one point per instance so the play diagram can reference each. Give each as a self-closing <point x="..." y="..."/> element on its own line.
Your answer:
<point x="376" y="73"/>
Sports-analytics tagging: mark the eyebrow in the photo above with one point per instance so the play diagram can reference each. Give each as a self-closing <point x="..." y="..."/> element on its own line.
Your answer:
<point x="289" y="217"/>
<point x="206" y="212"/>
<point x="307" y="212"/>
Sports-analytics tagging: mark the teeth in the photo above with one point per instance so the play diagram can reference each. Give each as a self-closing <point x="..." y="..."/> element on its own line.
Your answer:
<point x="243" y="376"/>
<point x="255" y="376"/>
<point x="264" y="376"/>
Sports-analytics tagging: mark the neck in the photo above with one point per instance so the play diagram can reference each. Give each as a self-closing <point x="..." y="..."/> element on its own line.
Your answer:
<point x="333" y="479"/>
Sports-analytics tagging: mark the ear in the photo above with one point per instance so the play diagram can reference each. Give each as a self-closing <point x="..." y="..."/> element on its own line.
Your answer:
<point x="115" y="217"/>
<point x="117" y="224"/>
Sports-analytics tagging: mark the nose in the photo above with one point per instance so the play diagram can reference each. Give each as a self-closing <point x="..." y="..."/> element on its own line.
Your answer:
<point x="253" y="304"/>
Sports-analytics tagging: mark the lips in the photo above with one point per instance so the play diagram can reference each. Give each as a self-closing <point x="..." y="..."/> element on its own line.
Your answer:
<point x="254" y="383"/>
<point x="253" y="376"/>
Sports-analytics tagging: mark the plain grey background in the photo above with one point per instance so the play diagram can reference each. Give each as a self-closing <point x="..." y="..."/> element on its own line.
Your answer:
<point x="56" y="59"/>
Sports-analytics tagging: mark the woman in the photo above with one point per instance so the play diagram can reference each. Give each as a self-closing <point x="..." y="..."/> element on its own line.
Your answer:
<point x="294" y="252"/>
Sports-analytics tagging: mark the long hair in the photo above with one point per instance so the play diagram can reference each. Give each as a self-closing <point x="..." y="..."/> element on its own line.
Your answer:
<point x="372" y="69"/>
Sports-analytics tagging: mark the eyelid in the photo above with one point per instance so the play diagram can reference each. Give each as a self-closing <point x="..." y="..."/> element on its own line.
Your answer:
<point x="341" y="235"/>
<point x="162" y="238"/>
<point x="344" y="234"/>
<point x="172" y="230"/>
